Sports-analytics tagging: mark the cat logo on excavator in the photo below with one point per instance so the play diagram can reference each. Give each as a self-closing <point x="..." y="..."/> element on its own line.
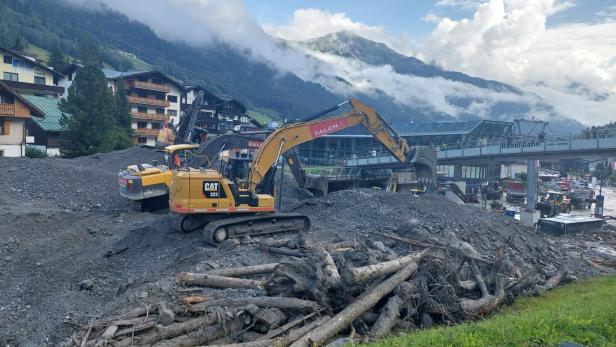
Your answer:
<point x="211" y="189"/>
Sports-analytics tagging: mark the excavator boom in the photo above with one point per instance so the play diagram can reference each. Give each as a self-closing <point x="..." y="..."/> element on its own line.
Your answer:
<point x="291" y="135"/>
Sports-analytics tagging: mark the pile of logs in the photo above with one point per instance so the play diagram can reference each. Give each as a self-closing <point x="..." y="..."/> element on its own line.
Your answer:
<point x="321" y="294"/>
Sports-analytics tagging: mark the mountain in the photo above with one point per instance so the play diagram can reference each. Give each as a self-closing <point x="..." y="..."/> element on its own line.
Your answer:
<point x="354" y="47"/>
<point x="410" y="90"/>
<point x="350" y="45"/>
<point x="49" y="23"/>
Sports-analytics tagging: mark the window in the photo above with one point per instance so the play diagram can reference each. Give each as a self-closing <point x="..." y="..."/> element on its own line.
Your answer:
<point x="142" y="139"/>
<point x="155" y="125"/>
<point x="228" y="106"/>
<point x="172" y="98"/>
<point x="8" y="59"/>
<point x="142" y="94"/>
<point x="39" y="80"/>
<point x="160" y="97"/>
<point x="6" y="127"/>
<point x="142" y="125"/>
<point x="142" y="109"/>
<point x="160" y="110"/>
<point x="172" y="113"/>
<point x="9" y="76"/>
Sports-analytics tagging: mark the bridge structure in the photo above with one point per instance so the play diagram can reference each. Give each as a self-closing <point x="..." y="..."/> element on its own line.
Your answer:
<point x="491" y="153"/>
<point x="486" y="156"/>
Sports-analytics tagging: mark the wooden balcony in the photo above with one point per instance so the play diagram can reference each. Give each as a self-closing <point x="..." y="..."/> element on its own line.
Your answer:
<point x="7" y="110"/>
<point x="150" y="86"/>
<point x="150" y="116"/>
<point x="146" y="132"/>
<point x="148" y="101"/>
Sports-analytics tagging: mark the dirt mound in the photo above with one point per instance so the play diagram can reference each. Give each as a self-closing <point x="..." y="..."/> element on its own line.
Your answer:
<point x="72" y="249"/>
<point x="80" y="184"/>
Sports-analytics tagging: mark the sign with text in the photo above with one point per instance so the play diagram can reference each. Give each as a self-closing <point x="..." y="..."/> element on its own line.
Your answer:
<point x="328" y="126"/>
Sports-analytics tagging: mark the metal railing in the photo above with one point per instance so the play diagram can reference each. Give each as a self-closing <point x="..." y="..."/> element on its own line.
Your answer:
<point x="554" y="143"/>
<point x="530" y="144"/>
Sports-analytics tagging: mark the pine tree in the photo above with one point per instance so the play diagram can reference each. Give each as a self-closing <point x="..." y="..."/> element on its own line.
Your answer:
<point x="90" y="128"/>
<point x="122" y="117"/>
<point x="56" y="58"/>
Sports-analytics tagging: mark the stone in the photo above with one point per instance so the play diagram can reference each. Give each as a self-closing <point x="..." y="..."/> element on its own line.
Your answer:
<point x="165" y="315"/>
<point x="86" y="284"/>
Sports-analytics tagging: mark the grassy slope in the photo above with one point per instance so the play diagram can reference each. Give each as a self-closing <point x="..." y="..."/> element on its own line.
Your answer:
<point x="583" y="312"/>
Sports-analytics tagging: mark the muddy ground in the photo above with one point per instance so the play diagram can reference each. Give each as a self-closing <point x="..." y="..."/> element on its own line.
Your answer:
<point x="71" y="249"/>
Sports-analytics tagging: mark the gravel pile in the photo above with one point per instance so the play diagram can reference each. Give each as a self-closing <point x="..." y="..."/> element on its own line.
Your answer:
<point x="80" y="184"/>
<point x="72" y="249"/>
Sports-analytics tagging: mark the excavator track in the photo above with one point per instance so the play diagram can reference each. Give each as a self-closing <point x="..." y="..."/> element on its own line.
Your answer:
<point x="220" y="230"/>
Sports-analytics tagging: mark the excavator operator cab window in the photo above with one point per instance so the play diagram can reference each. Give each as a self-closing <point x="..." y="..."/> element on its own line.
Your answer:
<point x="238" y="168"/>
<point x="178" y="158"/>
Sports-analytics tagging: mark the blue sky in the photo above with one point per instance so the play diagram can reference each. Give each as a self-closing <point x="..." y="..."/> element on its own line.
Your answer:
<point x="402" y="16"/>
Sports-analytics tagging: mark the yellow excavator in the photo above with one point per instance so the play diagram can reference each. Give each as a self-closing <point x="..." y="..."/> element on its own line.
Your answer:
<point x="225" y="209"/>
<point x="148" y="184"/>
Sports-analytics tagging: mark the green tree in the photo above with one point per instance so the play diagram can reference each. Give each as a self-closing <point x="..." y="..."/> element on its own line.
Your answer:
<point x="122" y="118"/>
<point x="90" y="128"/>
<point x="56" y="58"/>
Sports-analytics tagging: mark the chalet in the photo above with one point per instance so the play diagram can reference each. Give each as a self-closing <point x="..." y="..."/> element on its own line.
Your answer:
<point x="44" y="132"/>
<point x="154" y="99"/>
<point x="15" y="111"/>
<point x="219" y="114"/>
<point x="25" y="75"/>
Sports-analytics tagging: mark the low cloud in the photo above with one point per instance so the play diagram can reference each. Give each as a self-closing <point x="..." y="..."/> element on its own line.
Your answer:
<point x="505" y="40"/>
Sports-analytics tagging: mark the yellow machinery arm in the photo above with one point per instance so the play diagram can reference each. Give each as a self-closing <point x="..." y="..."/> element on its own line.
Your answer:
<point x="291" y="135"/>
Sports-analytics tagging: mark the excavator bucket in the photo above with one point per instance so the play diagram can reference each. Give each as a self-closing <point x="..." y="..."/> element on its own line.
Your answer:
<point x="424" y="162"/>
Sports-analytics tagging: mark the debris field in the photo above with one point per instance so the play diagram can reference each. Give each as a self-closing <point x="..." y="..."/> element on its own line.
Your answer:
<point x="81" y="266"/>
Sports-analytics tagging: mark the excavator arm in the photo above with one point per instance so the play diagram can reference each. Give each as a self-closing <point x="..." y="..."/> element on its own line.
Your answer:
<point x="291" y="135"/>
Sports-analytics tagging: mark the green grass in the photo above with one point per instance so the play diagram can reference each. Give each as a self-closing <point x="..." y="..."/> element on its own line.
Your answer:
<point x="262" y="116"/>
<point x="582" y="312"/>
<point x="41" y="54"/>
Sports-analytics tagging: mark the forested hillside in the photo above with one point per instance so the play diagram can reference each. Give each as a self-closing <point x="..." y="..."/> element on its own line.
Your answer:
<point x="49" y="23"/>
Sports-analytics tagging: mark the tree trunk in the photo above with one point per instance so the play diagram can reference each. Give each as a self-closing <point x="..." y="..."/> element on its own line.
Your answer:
<point x="281" y="341"/>
<point x="388" y="317"/>
<point x="366" y="301"/>
<point x="364" y="273"/>
<point x="285" y="251"/>
<point x="261" y="301"/>
<point x="244" y="270"/>
<point x="206" y="334"/>
<point x="214" y="281"/>
<point x="166" y="332"/>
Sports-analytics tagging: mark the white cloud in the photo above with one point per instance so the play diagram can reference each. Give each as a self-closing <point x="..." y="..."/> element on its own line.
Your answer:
<point x="310" y="23"/>
<point x="508" y="40"/>
<point x="608" y="13"/>
<point x="466" y="4"/>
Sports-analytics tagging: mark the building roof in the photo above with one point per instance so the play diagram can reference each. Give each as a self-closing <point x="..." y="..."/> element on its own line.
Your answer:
<point x="114" y="75"/>
<point x="33" y="109"/>
<point x="438" y="128"/>
<point x="66" y="68"/>
<point x="20" y="55"/>
<point x="51" y="110"/>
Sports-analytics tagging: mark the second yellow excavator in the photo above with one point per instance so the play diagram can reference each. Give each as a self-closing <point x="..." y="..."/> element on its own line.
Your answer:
<point x="210" y="200"/>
